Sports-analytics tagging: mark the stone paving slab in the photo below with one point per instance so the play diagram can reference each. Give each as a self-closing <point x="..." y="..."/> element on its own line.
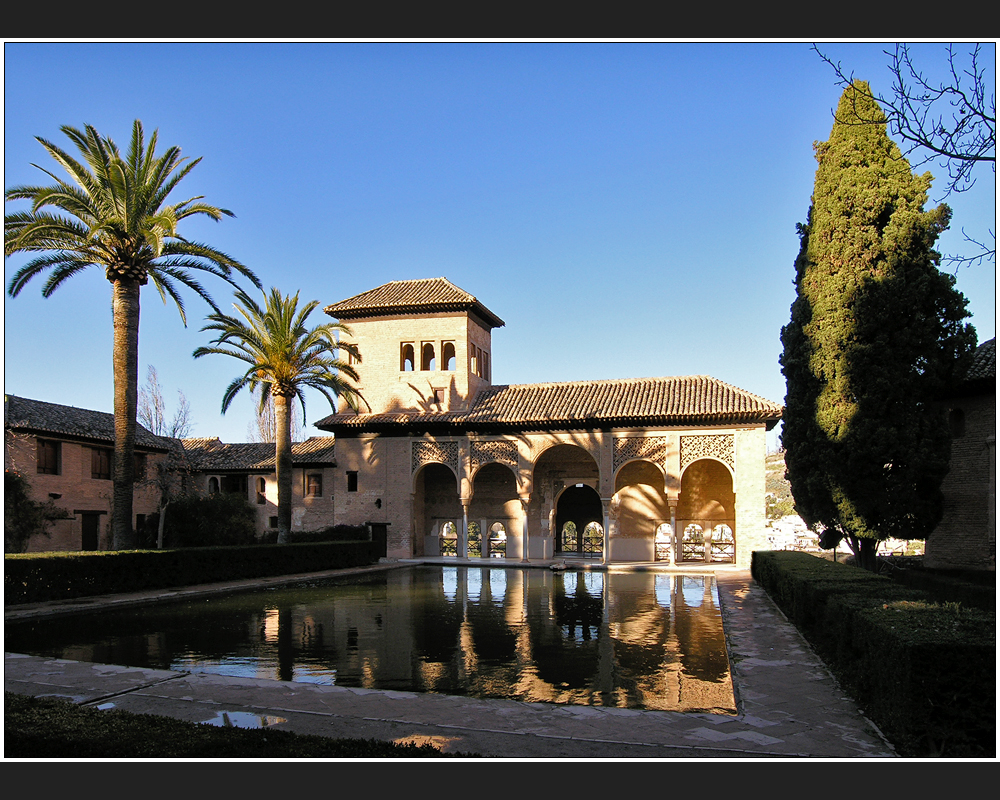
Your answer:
<point x="789" y="706"/>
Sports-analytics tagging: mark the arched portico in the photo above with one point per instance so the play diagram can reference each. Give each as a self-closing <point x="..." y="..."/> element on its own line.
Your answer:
<point x="495" y="502"/>
<point x="706" y="512"/>
<point x="579" y="522"/>
<point x="436" y="503"/>
<point x="642" y="508"/>
<point x="560" y="468"/>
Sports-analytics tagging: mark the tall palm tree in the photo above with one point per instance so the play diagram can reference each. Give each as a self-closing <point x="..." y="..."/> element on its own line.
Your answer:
<point x="283" y="356"/>
<point x="113" y="214"/>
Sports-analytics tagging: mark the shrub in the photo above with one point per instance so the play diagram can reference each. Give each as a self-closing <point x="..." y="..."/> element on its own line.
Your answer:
<point x="210" y="521"/>
<point x="40" y="577"/>
<point x="924" y="672"/>
<point x="22" y="516"/>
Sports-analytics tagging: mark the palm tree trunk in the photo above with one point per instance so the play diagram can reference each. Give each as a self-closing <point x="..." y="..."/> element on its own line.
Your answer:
<point x="283" y="463"/>
<point x="125" y="309"/>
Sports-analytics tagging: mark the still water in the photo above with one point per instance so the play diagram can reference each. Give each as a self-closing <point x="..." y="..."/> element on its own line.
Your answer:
<point x="620" y="639"/>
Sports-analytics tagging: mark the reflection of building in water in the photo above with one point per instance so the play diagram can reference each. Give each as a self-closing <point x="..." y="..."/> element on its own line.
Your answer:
<point x="457" y="466"/>
<point x="637" y="640"/>
<point x="628" y="640"/>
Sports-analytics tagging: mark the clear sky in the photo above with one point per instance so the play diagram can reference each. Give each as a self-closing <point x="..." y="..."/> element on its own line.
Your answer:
<point x="628" y="209"/>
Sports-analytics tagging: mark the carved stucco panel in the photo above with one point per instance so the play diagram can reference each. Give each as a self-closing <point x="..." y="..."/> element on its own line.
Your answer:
<point x="652" y="448"/>
<point x="434" y="453"/>
<point x="720" y="446"/>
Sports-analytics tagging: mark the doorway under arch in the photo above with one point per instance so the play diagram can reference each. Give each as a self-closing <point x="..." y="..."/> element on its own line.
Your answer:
<point x="579" y="522"/>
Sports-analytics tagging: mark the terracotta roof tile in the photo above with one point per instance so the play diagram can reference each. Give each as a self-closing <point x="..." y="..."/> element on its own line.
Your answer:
<point x="538" y="406"/>
<point x="213" y="455"/>
<point x="425" y="295"/>
<point x="37" y="416"/>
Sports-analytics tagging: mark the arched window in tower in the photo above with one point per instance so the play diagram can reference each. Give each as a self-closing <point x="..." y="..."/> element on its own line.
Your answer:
<point x="448" y="356"/>
<point x="427" y="361"/>
<point x="407" y="360"/>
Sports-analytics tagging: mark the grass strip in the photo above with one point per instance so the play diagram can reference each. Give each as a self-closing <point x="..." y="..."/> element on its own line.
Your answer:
<point x="55" y="728"/>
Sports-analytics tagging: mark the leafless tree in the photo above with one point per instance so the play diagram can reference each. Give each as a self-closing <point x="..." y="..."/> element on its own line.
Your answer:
<point x="951" y="122"/>
<point x="152" y="410"/>
<point x="261" y="429"/>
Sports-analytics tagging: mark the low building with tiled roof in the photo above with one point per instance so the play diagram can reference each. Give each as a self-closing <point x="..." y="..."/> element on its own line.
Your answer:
<point x="966" y="537"/>
<point x="248" y="468"/>
<point x="645" y="469"/>
<point x="66" y="454"/>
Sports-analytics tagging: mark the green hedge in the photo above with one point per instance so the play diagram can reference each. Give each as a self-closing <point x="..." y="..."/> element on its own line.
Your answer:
<point x="925" y="673"/>
<point x="39" y="577"/>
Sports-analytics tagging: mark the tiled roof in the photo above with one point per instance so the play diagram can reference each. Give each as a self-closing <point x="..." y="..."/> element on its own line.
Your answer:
<point x="984" y="362"/>
<point x="423" y="296"/>
<point x="209" y="455"/>
<point x="697" y="399"/>
<point x="70" y="422"/>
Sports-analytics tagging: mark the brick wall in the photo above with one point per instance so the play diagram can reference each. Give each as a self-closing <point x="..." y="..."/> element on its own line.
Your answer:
<point x="79" y="493"/>
<point x="966" y="535"/>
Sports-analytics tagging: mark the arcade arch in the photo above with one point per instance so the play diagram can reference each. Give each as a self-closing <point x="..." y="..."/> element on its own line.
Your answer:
<point x="706" y="512"/>
<point x="495" y="510"/>
<point x="564" y="483"/>
<point x="435" y="503"/>
<point x="641" y="505"/>
<point x="579" y="522"/>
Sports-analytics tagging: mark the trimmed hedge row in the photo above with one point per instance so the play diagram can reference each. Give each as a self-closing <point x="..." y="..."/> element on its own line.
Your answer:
<point x="923" y="672"/>
<point x="34" y="578"/>
<point x="977" y="591"/>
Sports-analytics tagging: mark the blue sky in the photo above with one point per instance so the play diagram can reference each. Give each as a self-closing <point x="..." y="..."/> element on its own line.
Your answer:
<point x="628" y="209"/>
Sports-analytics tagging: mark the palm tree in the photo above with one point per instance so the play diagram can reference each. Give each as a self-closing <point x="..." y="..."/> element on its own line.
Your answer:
<point x="113" y="214"/>
<point x="283" y="356"/>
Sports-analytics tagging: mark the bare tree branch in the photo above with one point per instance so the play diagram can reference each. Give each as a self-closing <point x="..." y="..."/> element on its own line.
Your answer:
<point x="181" y="425"/>
<point x="152" y="410"/>
<point x="261" y="428"/>
<point x="950" y="122"/>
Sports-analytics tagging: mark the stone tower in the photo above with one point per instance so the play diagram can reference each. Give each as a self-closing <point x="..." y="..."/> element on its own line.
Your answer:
<point x="424" y="344"/>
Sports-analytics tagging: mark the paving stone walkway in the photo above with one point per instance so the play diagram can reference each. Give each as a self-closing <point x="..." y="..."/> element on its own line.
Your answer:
<point x="789" y="706"/>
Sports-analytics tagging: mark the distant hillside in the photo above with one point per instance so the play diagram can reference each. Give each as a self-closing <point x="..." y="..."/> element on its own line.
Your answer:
<point x="779" y="493"/>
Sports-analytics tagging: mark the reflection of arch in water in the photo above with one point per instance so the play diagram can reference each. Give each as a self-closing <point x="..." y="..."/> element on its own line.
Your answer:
<point x="564" y="663"/>
<point x="494" y="639"/>
<point x="698" y="632"/>
<point x="581" y="506"/>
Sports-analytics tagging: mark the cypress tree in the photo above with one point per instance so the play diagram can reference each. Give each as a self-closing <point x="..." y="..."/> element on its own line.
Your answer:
<point x="876" y="332"/>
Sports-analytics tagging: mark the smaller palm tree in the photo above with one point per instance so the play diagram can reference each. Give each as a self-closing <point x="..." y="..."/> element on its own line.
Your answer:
<point x="283" y="357"/>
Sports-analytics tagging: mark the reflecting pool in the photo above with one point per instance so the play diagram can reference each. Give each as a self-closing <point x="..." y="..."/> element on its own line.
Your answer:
<point x="621" y="639"/>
